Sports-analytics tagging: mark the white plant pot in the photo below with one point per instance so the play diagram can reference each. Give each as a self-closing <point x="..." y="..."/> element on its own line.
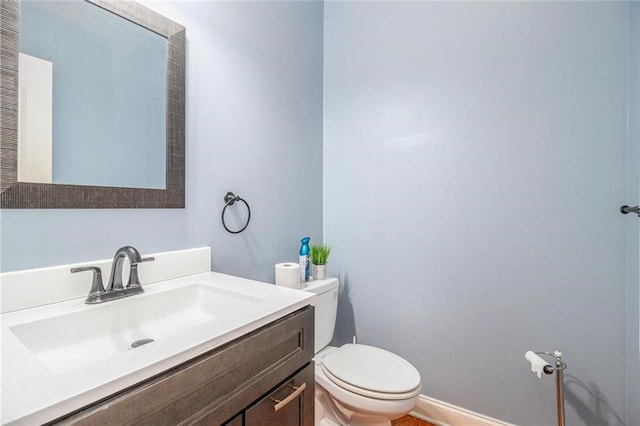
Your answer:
<point x="319" y="272"/>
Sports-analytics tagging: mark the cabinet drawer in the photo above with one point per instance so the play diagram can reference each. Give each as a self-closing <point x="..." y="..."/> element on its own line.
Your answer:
<point x="292" y="403"/>
<point x="212" y="388"/>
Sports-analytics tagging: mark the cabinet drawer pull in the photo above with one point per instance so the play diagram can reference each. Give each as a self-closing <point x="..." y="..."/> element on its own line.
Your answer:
<point x="296" y="392"/>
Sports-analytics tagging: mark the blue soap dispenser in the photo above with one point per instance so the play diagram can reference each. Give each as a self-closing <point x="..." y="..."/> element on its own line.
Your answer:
<point x="305" y="266"/>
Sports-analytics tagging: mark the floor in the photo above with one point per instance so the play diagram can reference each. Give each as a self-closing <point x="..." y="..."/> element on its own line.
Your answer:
<point x="410" y="421"/>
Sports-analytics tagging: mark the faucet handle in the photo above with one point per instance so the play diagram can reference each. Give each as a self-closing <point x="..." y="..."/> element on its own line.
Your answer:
<point x="134" y="281"/>
<point x="96" y="282"/>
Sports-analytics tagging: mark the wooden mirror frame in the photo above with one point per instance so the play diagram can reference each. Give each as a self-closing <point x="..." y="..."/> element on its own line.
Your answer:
<point x="25" y="195"/>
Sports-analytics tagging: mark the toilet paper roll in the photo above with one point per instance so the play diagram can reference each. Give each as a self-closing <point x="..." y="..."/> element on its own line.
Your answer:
<point x="537" y="363"/>
<point x="288" y="274"/>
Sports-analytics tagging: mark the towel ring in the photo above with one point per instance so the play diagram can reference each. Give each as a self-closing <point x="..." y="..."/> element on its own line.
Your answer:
<point x="229" y="199"/>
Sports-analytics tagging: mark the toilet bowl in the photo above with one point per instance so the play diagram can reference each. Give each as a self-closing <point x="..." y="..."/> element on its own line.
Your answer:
<point x="356" y="384"/>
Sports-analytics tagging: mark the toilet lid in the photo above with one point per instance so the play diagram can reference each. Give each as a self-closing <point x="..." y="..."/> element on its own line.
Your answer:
<point x="371" y="371"/>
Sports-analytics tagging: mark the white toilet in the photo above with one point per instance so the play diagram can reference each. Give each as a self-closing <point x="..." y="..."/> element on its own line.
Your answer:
<point x="356" y="384"/>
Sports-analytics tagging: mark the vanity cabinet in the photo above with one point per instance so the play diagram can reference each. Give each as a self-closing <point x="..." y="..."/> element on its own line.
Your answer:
<point x="263" y="378"/>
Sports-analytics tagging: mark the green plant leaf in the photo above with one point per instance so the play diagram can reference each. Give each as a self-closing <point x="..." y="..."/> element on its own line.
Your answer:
<point x="319" y="253"/>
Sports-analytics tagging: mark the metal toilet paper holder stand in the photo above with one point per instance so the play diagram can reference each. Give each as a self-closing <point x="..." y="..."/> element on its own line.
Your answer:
<point x="559" y="368"/>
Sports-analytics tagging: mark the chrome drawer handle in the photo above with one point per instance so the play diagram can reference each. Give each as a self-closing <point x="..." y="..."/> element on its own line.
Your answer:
<point x="296" y="392"/>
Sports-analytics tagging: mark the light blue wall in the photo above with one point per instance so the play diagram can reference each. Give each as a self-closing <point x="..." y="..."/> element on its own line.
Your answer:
<point x="109" y="93"/>
<point x="633" y="198"/>
<point x="477" y="164"/>
<point x="254" y="126"/>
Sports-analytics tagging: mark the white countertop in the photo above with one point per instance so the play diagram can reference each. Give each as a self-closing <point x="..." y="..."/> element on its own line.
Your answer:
<point x="32" y="394"/>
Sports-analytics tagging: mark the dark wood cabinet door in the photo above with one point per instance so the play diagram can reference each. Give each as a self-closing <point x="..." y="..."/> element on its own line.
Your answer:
<point x="290" y="404"/>
<point x="236" y="421"/>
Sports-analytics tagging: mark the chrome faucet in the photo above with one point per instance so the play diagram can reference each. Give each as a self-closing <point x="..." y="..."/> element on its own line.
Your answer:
<point x="115" y="282"/>
<point x="115" y="290"/>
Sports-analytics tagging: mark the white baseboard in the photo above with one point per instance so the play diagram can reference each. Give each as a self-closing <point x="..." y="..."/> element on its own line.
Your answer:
<point x="444" y="414"/>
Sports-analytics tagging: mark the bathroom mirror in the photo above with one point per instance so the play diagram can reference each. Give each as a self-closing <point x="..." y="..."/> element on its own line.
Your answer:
<point x="115" y="125"/>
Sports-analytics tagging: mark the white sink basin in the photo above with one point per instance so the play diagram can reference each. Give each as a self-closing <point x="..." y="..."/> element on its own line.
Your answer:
<point x="60" y="357"/>
<point x="70" y="341"/>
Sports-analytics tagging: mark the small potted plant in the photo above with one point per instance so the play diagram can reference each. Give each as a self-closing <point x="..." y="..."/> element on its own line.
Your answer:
<point x="319" y="255"/>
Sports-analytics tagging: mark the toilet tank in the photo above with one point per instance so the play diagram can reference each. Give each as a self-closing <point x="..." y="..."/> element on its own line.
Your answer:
<point x="325" y="302"/>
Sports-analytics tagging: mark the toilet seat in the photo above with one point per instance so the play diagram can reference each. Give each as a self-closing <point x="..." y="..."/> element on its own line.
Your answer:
<point x="372" y="372"/>
<point x="362" y="405"/>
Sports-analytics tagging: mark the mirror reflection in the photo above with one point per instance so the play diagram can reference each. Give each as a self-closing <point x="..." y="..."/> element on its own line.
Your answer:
<point x="92" y="98"/>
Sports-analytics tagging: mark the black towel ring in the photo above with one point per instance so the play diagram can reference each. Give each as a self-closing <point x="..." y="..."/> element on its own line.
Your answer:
<point x="229" y="199"/>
